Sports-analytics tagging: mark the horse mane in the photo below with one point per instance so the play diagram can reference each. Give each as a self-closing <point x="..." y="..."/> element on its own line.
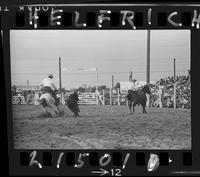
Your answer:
<point x="144" y="88"/>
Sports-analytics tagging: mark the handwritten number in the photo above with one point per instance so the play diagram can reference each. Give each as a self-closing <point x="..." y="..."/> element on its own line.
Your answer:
<point x="116" y="172"/>
<point x="33" y="161"/>
<point x="126" y="160"/>
<point x="106" y="161"/>
<point x="59" y="159"/>
<point x="80" y="160"/>
<point x="112" y="172"/>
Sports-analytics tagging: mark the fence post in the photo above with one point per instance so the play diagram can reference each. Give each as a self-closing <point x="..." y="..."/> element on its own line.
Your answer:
<point x="97" y="99"/>
<point x="36" y="97"/>
<point x="110" y="96"/>
<point x="103" y="97"/>
<point x="160" y="97"/>
<point x="174" y="95"/>
<point x="126" y="98"/>
<point x="118" y="96"/>
<point x="148" y="100"/>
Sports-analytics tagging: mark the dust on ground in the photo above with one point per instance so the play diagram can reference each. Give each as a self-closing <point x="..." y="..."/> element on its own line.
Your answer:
<point x="102" y="127"/>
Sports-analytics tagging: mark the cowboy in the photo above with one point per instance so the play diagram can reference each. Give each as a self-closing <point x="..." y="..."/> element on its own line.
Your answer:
<point x="47" y="86"/>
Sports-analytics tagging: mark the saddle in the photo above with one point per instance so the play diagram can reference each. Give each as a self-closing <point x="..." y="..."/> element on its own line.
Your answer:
<point x="50" y="91"/>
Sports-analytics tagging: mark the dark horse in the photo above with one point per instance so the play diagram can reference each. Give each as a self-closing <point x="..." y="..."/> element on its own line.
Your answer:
<point x="138" y="97"/>
<point x="72" y="103"/>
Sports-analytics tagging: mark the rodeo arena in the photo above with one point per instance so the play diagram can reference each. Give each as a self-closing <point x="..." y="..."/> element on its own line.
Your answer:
<point x="117" y="113"/>
<point x="105" y="121"/>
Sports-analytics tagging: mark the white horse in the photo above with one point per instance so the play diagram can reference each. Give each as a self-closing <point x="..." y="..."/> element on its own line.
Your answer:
<point x="47" y="101"/>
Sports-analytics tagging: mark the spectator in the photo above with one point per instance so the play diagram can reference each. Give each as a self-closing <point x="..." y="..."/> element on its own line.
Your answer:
<point x="182" y="89"/>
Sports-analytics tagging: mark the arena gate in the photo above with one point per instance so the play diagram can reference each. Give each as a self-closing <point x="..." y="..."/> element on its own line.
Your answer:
<point x="23" y="100"/>
<point x="18" y="100"/>
<point x="88" y="98"/>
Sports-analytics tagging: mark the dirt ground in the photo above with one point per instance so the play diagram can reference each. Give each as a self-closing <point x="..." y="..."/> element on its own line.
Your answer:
<point x="102" y="127"/>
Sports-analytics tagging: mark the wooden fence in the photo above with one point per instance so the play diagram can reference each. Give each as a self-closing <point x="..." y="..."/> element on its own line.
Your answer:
<point x="88" y="98"/>
<point x="18" y="100"/>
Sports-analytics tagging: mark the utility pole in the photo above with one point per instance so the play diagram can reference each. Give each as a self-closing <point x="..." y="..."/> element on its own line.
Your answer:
<point x="60" y="81"/>
<point x="111" y="95"/>
<point x="148" y="56"/>
<point x="97" y="85"/>
<point x="189" y="74"/>
<point x="111" y="88"/>
<point x="174" y="83"/>
<point x="131" y="76"/>
<point x="174" y="68"/>
<point x="118" y="96"/>
<point x="112" y="81"/>
<point x="103" y="97"/>
<point x="148" y="63"/>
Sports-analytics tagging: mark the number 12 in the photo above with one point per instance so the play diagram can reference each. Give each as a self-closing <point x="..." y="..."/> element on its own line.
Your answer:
<point x="116" y="172"/>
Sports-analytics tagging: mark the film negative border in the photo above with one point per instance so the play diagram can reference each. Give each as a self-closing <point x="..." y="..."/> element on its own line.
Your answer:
<point x="88" y="17"/>
<point x="106" y="163"/>
<point x="101" y="17"/>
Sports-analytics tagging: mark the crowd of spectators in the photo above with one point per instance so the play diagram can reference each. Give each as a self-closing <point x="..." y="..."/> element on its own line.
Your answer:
<point x="26" y="96"/>
<point x="162" y="92"/>
<point x="166" y="88"/>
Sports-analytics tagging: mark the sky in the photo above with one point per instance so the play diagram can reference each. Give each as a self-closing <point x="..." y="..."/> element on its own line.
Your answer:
<point x="35" y="54"/>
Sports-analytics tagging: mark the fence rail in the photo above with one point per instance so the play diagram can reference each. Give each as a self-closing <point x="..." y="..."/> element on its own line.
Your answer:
<point x="161" y="97"/>
<point x="18" y="100"/>
<point x="88" y="98"/>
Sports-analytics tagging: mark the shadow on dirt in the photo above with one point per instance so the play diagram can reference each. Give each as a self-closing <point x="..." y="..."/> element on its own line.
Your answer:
<point x="43" y="115"/>
<point x="62" y="114"/>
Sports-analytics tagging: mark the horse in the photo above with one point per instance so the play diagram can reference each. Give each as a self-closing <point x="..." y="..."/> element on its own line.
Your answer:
<point x="72" y="103"/>
<point x="138" y="97"/>
<point x="48" y="101"/>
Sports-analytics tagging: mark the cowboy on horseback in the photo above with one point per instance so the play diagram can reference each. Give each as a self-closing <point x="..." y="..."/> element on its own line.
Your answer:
<point x="47" y="86"/>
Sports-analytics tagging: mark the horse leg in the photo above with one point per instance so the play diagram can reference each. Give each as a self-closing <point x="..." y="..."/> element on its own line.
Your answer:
<point x="75" y="114"/>
<point x="60" y="112"/>
<point x="77" y="111"/>
<point x="45" y="110"/>
<point x="57" y="110"/>
<point x="134" y="107"/>
<point x="129" y="105"/>
<point x="144" y="110"/>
